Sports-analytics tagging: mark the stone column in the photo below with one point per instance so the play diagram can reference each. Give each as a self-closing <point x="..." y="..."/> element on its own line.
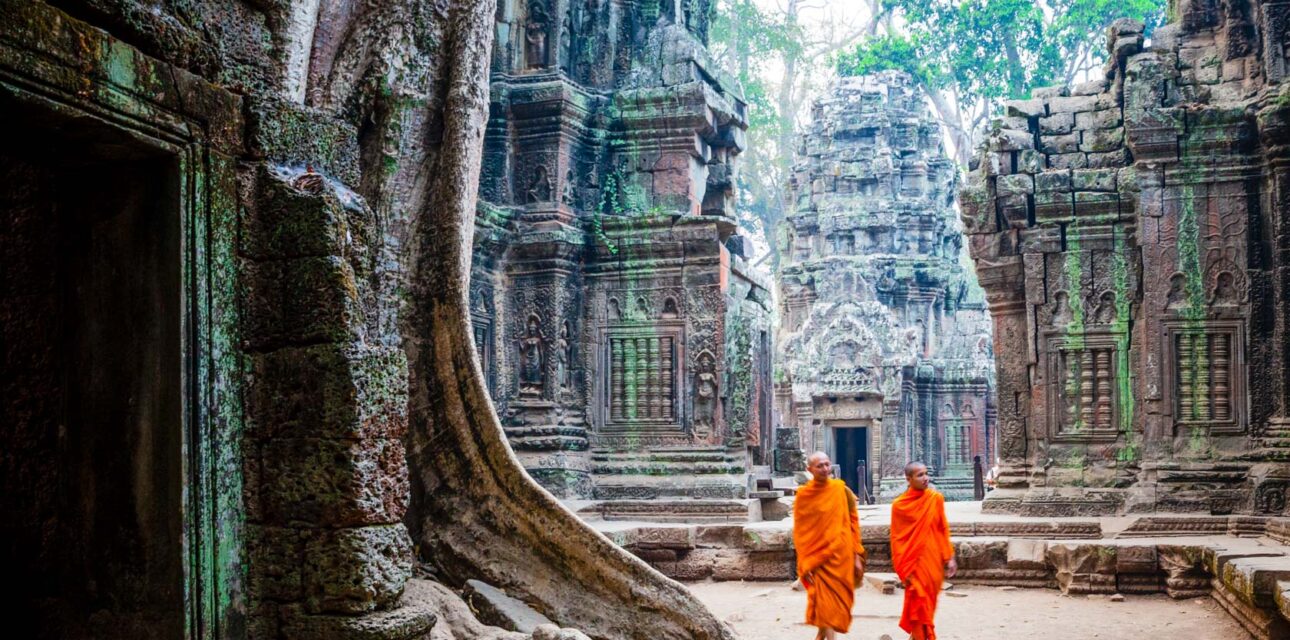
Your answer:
<point x="327" y="479"/>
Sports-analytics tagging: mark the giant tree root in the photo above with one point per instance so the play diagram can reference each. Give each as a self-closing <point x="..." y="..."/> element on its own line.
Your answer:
<point x="476" y="513"/>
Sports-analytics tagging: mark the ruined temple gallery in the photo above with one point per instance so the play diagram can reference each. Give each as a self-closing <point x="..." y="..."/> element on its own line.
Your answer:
<point x="434" y="319"/>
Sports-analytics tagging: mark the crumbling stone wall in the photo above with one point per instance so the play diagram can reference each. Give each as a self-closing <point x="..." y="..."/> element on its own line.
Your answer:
<point x="1126" y="232"/>
<point x="883" y="328"/>
<point x="624" y="336"/>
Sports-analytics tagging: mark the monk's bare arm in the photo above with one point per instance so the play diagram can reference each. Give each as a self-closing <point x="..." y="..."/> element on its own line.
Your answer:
<point x="951" y="563"/>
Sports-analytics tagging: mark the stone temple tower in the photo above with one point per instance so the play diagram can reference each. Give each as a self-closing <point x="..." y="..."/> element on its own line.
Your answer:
<point x="884" y="348"/>
<point x="625" y="340"/>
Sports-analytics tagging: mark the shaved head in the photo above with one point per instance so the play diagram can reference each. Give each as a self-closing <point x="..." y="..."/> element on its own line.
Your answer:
<point x="916" y="474"/>
<point x="819" y="465"/>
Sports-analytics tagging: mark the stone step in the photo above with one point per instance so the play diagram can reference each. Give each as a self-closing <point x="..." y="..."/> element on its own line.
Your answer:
<point x="668" y="455"/>
<point x="629" y="487"/>
<point x="648" y="468"/>
<point x="677" y="510"/>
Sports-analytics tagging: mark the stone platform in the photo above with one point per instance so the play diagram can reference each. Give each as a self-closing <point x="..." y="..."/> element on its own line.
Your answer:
<point x="1243" y="562"/>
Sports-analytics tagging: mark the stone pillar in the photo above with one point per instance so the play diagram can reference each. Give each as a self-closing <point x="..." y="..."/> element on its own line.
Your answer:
<point x="327" y="479"/>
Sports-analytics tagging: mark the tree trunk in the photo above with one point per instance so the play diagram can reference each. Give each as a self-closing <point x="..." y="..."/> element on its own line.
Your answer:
<point x="953" y="119"/>
<point x="475" y="512"/>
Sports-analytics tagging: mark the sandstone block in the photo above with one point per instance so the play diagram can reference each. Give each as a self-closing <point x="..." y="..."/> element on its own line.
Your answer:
<point x="1026" y="108"/>
<point x="1044" y="93"/>
<point x="1057" y="124"/>
<point x="981" y="555"/>
<point x="1102" y="140"/>
<point x="1016" y="184"/>
<point x="293" y="134"/>
<point x="1012" y="140"/>
<point x="1067" y="143"/>
<point x="314" y="482"/>
<point x="1093" y="180"/>
<point x="767" y="539"/>
<point x="726" y="536"/>
<point x="663" y="538"/>
<point x="1027" y="554"/>
<point x="1030" y="161"/>
<point x="1076" y="160"/>
<point x="411" y="621"/>
<point x="328" y="391"/>
<point x="1053" y="181"/>
<point x="356" y="570"/>
<point x="1104" y="119"/>
<point x="285" y="222"/>
<point x="495" y="608"/>
<point x="300" y="301"/>
<point x="1254" y="579"/>
<point x="975" y="207"/>
<point x="1015" y="210"/>
<point x="1109" y="160"/>
<point x="1090" y="88"/>
<point x="1136" y="559"/>
<point x="1072" y="104"/>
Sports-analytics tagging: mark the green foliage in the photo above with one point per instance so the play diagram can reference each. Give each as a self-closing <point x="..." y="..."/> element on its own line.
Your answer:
<point x="986" y="51"/>
<point x="886" y="52"/>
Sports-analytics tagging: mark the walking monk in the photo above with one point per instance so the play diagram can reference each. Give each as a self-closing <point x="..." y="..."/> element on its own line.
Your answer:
<point x="921" y="551"/>
<point x="830" y="558"/>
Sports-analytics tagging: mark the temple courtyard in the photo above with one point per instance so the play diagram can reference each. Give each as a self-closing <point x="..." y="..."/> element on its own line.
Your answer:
<point x="773" y="611"/>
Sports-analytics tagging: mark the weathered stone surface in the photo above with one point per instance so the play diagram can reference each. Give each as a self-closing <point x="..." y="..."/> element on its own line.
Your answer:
<point x="493" y="607"/>
<point x="1027" y="554"/>
<point x="622" y="331"/>
<point x="356" y="570"/>
<point x="1132" y="366"/>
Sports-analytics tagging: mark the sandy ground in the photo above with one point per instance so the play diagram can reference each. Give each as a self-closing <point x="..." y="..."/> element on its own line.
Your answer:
<point x="773" y="611"/>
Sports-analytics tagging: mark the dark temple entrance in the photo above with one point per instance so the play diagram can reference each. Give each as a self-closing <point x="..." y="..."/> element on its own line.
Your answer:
<point x="850" y="450"/>
<point x="93" y="384"/>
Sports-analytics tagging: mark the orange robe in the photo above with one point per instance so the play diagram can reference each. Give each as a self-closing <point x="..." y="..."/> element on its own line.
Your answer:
<point x="920" y="547"/>
<point x="826" y="535"/>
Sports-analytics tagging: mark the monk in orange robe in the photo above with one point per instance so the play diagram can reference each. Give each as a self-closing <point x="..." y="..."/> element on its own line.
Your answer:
<point x="830" y="558"/>
<point x="921" y="552"/>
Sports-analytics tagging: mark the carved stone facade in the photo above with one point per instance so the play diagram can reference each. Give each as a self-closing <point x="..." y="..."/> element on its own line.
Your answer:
<point x="625" y="338"/>
<point x="1127" y="233"/>
<point x="884" y="341"/>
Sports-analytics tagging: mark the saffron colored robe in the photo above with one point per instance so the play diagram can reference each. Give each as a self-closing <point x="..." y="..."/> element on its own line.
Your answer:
<point x="920" y="547"/>
<point x="826" y="535"/>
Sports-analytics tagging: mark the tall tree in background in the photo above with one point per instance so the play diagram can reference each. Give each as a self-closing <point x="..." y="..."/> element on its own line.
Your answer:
<point x="970" y="55"/>
<point x="781" y="61"/>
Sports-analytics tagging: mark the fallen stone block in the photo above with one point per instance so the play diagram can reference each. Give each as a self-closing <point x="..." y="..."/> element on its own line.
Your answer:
<point x="493" y="607"/>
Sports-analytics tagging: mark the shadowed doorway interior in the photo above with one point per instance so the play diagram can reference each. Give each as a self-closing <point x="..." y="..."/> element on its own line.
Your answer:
<point x="92" y="419"/>
<point x="850" y="450"/>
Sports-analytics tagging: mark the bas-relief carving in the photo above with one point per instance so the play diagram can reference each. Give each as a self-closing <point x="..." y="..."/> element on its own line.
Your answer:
<point x="532" y="360"/>
<point x="539" y="189"/>
<point x="1270" y="497"/>
<point x="706" y="394"/>
<point x="535" y="36"/>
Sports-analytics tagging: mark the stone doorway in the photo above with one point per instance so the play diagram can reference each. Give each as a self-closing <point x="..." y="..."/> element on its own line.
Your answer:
<point x="95" y="380"/>
<point x="849" y="446"/>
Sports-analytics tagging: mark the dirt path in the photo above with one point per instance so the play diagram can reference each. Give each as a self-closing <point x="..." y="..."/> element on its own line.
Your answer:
<point x="773" y="611"/>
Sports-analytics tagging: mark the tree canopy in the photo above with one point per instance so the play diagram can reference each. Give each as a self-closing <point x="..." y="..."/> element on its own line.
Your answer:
<point x="970" y="55"/>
